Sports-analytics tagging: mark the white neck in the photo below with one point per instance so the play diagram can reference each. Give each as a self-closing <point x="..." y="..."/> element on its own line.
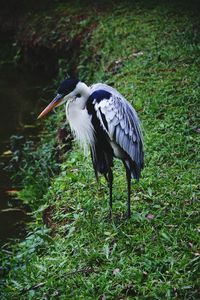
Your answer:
<point x="78" y="117"/>
<point x="82" y="89"/>
<point x="84" y="92"/>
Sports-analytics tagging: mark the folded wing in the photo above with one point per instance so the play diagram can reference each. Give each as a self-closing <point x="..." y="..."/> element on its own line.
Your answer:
<point x="121" y="123"/>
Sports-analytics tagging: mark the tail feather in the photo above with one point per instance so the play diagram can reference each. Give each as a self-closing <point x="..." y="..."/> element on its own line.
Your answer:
<point x="132" y="166"/>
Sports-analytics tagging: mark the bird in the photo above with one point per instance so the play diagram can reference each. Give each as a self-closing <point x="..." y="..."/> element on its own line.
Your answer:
<point x="103" y="120"/>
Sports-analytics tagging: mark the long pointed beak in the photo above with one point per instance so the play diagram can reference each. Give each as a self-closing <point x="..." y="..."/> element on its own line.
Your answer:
<point x="55" y="102"/>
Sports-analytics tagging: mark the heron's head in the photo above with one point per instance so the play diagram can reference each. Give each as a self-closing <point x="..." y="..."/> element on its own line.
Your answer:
<point x="65" y="91"/>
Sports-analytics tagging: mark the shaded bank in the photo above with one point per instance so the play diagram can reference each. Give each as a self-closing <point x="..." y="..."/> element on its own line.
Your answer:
<point x="21" y="99"/>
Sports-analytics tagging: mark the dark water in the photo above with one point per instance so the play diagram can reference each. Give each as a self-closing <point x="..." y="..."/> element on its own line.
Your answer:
<point x="21" y="98"/>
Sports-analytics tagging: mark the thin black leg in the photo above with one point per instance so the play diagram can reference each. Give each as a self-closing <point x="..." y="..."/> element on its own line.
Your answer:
<point x="110" y="183"/>
<point x="129" y="193"/>
<point x="128" y="178"/>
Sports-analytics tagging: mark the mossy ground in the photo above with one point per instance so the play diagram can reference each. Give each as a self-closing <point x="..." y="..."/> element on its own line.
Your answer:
<point x="150" y="53"/>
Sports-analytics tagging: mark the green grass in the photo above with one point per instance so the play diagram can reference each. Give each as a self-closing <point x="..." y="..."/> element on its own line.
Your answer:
<point x="155" y="254"/>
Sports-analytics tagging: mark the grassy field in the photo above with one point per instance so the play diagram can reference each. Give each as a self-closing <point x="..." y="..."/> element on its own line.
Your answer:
<point x="150" y="53"/>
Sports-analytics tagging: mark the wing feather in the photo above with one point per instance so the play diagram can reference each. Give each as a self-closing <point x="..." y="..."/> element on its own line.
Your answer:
<point x="121" y="123"/>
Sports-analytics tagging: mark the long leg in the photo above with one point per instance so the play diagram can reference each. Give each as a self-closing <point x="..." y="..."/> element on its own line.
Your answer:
<point x="94" y="165"/>
<point x="110" y="184"/>
<point x="128" y="178"/>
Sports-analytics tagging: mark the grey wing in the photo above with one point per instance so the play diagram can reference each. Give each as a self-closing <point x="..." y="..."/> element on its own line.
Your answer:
<point x="103" y="86"/>
<point x="120" y="121"/>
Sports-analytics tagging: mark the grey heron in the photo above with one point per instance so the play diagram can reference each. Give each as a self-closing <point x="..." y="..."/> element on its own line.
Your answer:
<point x="100" y="117"/>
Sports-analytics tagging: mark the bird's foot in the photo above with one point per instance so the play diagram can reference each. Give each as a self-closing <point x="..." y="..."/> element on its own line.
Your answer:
<point x="128" y="214"/>
<point x="110" y="216"/>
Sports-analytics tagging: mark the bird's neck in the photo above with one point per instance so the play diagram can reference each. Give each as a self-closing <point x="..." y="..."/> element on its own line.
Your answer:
<point x="84" y="92"/>
<point x="83" y="89"/>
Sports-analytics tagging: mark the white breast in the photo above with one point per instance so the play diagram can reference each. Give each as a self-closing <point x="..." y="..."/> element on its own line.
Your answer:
<point x="80" y="123"/>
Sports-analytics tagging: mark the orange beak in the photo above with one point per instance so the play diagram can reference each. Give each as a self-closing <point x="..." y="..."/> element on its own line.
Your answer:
<point x="55" y="102"/>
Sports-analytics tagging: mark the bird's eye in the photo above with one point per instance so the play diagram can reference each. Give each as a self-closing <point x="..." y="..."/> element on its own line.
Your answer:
<point x="78" y="95"/>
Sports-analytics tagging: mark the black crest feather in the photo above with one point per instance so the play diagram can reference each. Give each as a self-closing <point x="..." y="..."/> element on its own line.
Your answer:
<point x="67" y="86"/>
